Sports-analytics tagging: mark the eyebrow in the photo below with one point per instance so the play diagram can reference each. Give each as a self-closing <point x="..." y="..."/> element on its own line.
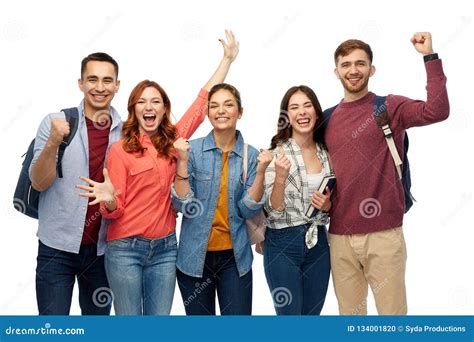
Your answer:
<point x="226" y="101"/>
<point x="297" y="104"/>
<point x="94" y="77"/>
<point x="357" y="61"/>
<point x="153" y="98"/>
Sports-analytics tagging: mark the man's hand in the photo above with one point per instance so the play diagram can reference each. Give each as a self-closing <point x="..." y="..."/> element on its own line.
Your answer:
<point x="59" y="130"/>
<point x="422" y="43"/>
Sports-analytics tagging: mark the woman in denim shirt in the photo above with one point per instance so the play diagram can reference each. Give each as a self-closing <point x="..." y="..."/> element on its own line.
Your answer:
<point x="214" y="252"/>
<point x="296" y="251"/>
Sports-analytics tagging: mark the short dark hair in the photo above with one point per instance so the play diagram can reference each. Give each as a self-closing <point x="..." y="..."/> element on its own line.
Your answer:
<point x="233" y="90"/>
<point x="100" y="57"/>
<point x="350" y="45"/>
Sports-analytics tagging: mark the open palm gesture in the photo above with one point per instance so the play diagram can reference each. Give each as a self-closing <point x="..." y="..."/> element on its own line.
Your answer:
<point x="102" y="192"/>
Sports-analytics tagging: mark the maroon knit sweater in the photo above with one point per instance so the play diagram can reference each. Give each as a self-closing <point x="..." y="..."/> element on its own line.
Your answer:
<point x="368" y="195"/>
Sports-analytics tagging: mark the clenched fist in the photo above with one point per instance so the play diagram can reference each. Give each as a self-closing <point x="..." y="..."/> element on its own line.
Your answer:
<point x="282" y="166"/>
<point x="59" y="129"/>
<point x="182" y="146"/>
<point x="263" y="160"/>
<point x="422" y="43"/>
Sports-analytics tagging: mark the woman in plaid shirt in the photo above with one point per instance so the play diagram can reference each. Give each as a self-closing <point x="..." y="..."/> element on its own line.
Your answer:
<point x="296" y="253"/>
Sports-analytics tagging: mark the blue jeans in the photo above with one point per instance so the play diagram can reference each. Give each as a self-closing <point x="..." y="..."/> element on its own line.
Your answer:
<point x="298" y="277"/>
<point x="56" y="273"/>
<point x="142" y="274"/>
<point x="220" y="275"/>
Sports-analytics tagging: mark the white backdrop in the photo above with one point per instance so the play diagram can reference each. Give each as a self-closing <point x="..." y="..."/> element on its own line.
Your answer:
<point x="283" y="44"/>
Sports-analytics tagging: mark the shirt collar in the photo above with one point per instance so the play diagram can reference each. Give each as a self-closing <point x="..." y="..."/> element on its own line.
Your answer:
<point x="210" y="143"/>
<point x="116" y="119"/>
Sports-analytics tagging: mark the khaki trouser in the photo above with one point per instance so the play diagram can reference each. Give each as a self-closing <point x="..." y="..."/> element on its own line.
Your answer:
<point x="376" y="259"/>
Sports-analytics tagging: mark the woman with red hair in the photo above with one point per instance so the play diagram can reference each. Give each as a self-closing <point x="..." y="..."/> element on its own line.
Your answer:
<point x="141" y="251"/>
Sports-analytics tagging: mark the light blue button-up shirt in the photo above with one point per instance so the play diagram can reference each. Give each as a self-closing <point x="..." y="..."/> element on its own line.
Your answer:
<point x="199" y="205"/>
<point x="62" y="212"/>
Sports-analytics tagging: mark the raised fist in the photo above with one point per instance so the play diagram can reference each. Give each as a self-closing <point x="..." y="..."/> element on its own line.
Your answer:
<point x="59" y="129"/>
<point x="422" y="43"/>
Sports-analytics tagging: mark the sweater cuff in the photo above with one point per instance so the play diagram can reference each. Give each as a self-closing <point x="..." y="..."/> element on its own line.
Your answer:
<point x="434" y="69"/>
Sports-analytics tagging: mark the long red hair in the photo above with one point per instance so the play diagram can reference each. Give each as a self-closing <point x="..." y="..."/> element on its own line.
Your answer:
<point x="164" y="136"/>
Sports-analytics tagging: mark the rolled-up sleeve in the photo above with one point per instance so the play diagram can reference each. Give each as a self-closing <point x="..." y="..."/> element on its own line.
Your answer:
<point x="247" y="205"/>
<point x="118" y="176"/>
<point x="179" y="201"/>
<point x="42" y="136"/>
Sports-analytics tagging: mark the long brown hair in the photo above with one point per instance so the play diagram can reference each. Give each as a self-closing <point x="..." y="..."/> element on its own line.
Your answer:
<point x="284" y="130"/>
<point x="164" y="136"/>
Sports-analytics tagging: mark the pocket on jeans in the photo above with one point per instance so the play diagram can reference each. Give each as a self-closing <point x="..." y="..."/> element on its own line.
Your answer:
<point x="172" y="242"/>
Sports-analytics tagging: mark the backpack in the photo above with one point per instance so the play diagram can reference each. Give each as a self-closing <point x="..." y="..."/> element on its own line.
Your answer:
<point x="26" y="199"/>
<point x="403" y="168"/>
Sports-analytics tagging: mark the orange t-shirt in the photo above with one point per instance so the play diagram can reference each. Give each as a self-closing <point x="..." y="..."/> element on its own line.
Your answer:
<point x="143" y="183"/>
<point x="220" y="239"/>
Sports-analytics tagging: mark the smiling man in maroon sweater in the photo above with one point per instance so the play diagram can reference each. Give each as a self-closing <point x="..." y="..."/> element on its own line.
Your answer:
<point x="366" y="236"/>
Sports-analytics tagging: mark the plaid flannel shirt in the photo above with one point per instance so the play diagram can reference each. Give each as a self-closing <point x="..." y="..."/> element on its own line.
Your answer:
<point x="297" y="197"/>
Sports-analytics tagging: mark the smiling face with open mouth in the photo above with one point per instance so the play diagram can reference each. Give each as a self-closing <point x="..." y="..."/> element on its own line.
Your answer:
<point x="354" y="71"/>
<point x="99" y="84"/>
<point x="302" y="114"/>
<point x="149" y="110"/>
<point x="224" y="110"/>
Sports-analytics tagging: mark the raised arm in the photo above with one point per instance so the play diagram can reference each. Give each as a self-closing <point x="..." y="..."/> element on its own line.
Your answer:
<point x="436" y="108"/>
<point x="196" y="114"/>
<point x="231" y="50"/>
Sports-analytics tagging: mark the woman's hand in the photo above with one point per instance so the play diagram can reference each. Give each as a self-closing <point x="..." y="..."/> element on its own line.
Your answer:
<point x="263" y="160"/>
<point x="102" y="192"/>
<point x="282" y="166"/>
<point x="182" y="146"/>
<point x="322" y="201"/>
<point x="230" y="45"/>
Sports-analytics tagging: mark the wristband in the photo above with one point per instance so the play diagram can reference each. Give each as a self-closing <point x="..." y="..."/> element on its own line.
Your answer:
<point x="181" y="177"/>
<point x="430" y="57"/>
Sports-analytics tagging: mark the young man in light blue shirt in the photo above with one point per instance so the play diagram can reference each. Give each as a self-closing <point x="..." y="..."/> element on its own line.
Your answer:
<point x="71" y="233"/>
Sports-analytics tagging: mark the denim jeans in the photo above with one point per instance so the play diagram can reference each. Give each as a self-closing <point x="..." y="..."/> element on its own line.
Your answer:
<point x="56" y="273"/>
<point x="220" y="275"/>
<point x="298" y="277"/>
<point x="142" y="274"/>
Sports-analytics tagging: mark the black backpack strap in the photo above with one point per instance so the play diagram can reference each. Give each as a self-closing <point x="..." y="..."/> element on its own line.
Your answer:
<point x="72" y="117"/>
<point x="383" y="121"/>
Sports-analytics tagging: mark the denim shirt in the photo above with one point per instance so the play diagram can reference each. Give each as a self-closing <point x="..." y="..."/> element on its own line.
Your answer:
<point x="199" y="205"/>
<point x="61" y="211"/>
